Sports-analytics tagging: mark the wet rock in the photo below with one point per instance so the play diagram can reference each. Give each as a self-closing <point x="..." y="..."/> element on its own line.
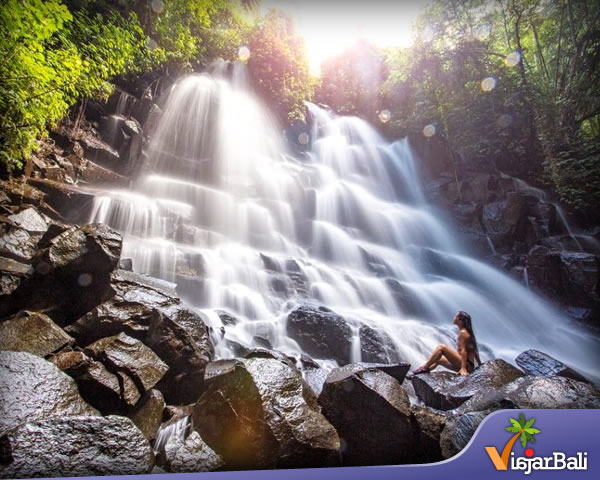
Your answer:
<point x="126" y="264"/>
<point x="429" y="425"/>
<point x="507" y="220"/>
<point x="552" y="392"/>
<point x="11" y="275"/>
<point x="544" y="270"/>
<point x="17" y="243"/>
<point x="458" y="431"/>
<point x="100" y="152"/>
<point x="315" y="378"/>
<point x="447" y="390"/>
<point x="75" y="446"/>
<point x="191" y="455"/>
<point x="258" y="413"/>
<point x="32" y="388"/>
<point x="149" y="413"/>
<point x="540" y="364"/>
<point x="98" y="175"/>
<point x="371" y="413"/>
<point x="32" y="332"/>
<point x="128" y="355"/>
<point x="376" y="346"/>
<point x="71" y="201"/>
<point x="106" y="391"/>
<point x="581" y="273"/>
<point x="30" y="220"/>
<point x="92" y="248"/>
<point x="149" y="310"/>
<point x="71" y="274"/>
<point x="321" y="333"/>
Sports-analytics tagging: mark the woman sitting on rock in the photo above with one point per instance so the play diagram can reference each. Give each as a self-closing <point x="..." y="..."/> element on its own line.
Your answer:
<point x="462" y="361"/>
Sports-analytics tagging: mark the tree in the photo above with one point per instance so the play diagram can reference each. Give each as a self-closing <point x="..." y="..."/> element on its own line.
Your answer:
<point x="278" y="67"/>
<point x="351" y="81"/>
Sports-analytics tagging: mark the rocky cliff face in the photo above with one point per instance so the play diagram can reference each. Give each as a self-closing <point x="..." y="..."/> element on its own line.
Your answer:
<point x="521" y="230"/>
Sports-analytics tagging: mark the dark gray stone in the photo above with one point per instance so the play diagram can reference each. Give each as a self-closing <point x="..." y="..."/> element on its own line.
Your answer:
<point x="447" y="390"/>
<point x="32" y="388"/>
<point x="321" y="333"/>
<point x="258" y="413"/>
<point x="540" y="364"/>
<point x="371" y="413"/>
<point x="32" y="332"/>
<point x="75" y="446"/>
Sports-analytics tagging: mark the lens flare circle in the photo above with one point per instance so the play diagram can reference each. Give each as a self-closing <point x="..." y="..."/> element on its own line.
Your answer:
<point x="157" y="6"/>
<point x="243" y="53"/>
<point x="488" y="84"/>
<point x="384" y="116"/>
<point x="303" y="138"/>
<point x="512" y="59"/>
<point x="429" y="130"/>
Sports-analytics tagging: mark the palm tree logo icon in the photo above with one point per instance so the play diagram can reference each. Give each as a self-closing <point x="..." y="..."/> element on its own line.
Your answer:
<point x="522" y="429"/>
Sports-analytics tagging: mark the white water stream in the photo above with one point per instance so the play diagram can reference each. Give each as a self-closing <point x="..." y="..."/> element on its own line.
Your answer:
<point x="223" y="210"/>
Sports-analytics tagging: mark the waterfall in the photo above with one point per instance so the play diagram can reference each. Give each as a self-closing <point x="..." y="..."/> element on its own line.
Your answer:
<point x="226" y="212"/>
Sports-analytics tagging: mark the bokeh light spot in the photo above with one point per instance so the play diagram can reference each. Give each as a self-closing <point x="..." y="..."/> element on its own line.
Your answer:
<point x="303" y="138"/>
<point x="504" y="120"/>
<point x="384" y="116"/>
<point x="483" y="32"/>
<point x="157" y="6"/>
<point x="429" y="130"/>
<point x="488" y="84"/>
<point x="243" y="53"/>
<point x="84" y="280"/>
<point x="43" y="268"/>
<point x="512" y="59"/>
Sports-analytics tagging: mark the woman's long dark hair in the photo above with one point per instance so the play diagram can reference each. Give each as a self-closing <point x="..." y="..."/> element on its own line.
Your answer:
<point x="465" y="318"/>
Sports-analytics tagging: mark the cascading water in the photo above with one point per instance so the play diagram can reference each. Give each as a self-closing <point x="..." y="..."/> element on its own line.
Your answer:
<point x="239" y="224"/>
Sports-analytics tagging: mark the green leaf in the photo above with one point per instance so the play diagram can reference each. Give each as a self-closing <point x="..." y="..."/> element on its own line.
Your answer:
<point x="515" y="424"/>
<point x="513" y="429"/>
<point x="523" y="439"/>
<point x="522" y="420"/>
<point x="530" y="422"/>
<point x="531" y="430"/>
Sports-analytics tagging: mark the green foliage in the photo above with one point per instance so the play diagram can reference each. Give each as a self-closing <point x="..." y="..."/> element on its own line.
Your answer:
<point x="57" y="52"/>
<point x="351" y="81"/>
<point x="278" y="66"/>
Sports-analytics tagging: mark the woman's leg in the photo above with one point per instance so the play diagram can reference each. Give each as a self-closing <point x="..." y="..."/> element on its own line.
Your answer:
<point x="445" y="356"/>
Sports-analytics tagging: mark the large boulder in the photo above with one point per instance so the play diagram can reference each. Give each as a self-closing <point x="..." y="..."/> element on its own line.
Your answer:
<point x="191" y="454"/>
<point x="376" y="346"/>
<point x="16" y="242"/>
<point x="581" y="275"/>
<point x="447" y="390"/>
<point x="458" y="431"/>
<point x="535" y="392"/>
<point x="107" y="391"/>
<point x="544" y="271"/>
<point x="12" y="274"/>
<point x="372" y="414"/>
<point x="321" y="333"/>
<point x="128" y="355"/>
<point x="71" y="201"/>
<point x="32" y="332"/>
<point x="429" y="425"/>
<point x="149" y="413"/>
<point x="75" y="446"/>
<point x="540" y="364"/>
<point x="72" y="273"/>
<point x="149" y="310"/>
<point x="258" y="413"/>
<point x="32" y="388"/>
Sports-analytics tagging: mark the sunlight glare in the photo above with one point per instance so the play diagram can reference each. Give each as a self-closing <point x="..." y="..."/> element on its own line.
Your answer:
<point x="243" y="53"/>
<point x="328" y="29"/>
